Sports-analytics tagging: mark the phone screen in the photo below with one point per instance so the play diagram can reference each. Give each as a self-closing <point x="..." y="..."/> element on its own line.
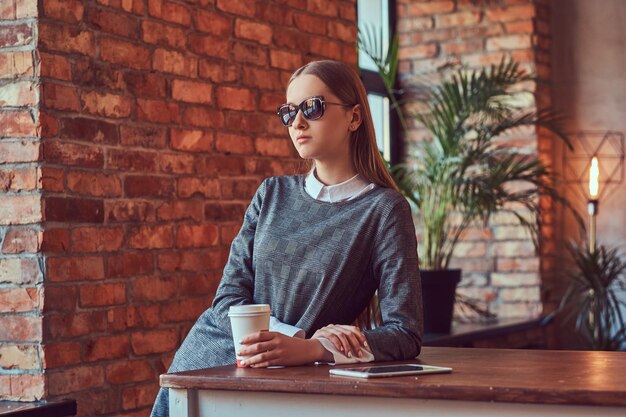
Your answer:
<point x="386" y="369"/>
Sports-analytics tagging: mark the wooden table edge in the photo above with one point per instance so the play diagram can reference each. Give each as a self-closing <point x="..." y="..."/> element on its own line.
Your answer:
<point x="354" y="387"/>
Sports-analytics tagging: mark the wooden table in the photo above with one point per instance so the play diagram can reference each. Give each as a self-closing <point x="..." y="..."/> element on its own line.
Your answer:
<point x="503" y="333"/>
<point x="485" y="382"/>
<point x="60" y="408"/>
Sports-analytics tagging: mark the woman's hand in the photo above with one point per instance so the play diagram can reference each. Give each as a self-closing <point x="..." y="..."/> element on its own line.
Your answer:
<point x="347" y="339"/>
<point x="264" y="349"/>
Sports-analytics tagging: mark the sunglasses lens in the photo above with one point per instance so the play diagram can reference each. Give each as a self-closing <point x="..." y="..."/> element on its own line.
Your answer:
<point x="313" y="108"/>
<point x="287" y="114"/>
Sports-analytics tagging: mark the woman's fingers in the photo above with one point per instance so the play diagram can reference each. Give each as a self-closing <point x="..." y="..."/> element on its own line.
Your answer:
<point x="342" y="335"/>
<point x="261" y="360"/>
<point x="359" y="334"/>
<point x="260" y="346"/>
<point x="345" y="338"/>
<point x="362" y="341"/>
<point x="352" y="335"/>
<point x="260" y="353"/>
<point x="257" y="337"/>
<point x="255" y="348"/>
<point x="334" y="335"/>
<point x="355" y="343"/>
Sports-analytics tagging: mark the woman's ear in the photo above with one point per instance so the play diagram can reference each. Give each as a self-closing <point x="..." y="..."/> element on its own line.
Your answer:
<point x="357" y="118"/>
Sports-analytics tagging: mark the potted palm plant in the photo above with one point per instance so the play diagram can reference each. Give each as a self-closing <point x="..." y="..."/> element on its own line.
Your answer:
<point x="591" y="298"/>
<point x="462" y="175"/>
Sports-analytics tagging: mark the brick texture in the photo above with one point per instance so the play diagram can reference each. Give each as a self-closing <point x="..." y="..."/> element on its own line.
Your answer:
<point x="499" y="262"/>
<point x="550" y="264"/>
<point x="128" y="155"/>
<point x="21" y="275"/>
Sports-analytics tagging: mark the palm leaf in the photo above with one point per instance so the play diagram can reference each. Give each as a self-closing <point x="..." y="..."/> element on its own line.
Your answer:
<point x="462" y="171"/>
<point x="592" y="299"/>
<point x="370" y="41"/>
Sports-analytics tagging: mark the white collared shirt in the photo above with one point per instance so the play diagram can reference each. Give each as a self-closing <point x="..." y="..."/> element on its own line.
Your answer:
<point x="336" y="193"/>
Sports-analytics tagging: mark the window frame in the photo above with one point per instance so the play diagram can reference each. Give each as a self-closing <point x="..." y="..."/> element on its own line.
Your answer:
<point x="374" y="85"/>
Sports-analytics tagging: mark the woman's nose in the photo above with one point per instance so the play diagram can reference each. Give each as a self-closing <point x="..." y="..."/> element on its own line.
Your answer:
<point x="299" y="122"/>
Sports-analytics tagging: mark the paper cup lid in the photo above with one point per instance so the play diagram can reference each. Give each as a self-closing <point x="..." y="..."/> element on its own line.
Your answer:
<point x="249" y="309"/>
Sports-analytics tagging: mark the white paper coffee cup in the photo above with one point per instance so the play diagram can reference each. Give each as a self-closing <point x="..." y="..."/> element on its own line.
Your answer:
<point x="247" y="319"/>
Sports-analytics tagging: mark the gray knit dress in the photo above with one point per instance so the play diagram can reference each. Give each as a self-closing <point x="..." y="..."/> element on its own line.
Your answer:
<point x="315" y="263"/>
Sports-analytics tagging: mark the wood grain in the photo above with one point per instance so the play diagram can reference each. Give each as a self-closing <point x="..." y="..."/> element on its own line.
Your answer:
<point x="502" y="375"/>
<point x="471" y="334"/>
<point x="61" y="408"/>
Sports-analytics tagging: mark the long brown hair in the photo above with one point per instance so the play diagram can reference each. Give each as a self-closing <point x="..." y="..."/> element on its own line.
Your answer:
<point x="344" y="82"/>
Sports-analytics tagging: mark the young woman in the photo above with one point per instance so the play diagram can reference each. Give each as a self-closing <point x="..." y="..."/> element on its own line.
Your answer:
<point x="316" y="247"/>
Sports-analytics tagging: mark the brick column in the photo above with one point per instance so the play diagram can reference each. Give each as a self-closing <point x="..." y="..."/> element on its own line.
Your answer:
<point x="499" y="259"/>
<point x="156" y="126"/>
<point x="21" y="290"/>
<point x="548" y="152"/>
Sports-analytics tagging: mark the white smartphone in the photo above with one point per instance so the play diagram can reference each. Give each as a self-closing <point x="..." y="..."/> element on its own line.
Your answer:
<point x="379" y="371"/>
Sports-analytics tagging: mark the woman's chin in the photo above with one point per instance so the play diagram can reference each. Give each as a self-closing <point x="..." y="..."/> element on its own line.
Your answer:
<point x="304" y="154"/>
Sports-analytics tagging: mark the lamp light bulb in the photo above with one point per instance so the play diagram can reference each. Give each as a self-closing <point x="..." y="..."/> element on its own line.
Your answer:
<point x="594" y="173"/>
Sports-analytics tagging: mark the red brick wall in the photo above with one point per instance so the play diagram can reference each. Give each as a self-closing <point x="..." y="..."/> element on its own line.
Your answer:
<point x="21" y="277"/>
<point x="499" y="260"/>
<point x="546" y="142"/>
<point x="547" y="149"/>
<point x="156" y="126"/>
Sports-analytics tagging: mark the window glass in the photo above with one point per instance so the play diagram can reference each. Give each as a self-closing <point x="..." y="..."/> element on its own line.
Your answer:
<point x="373" y="15"/>
<point x="379" y="106"/>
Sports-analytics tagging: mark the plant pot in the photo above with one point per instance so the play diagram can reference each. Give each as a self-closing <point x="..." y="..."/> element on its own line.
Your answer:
<point x="438" y="290"/>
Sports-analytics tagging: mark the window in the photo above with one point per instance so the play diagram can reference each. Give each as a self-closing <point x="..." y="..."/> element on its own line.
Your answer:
<point x="379" y="14"/>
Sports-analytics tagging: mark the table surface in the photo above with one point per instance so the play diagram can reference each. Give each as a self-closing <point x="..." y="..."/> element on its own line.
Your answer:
<point x="463" y="333"/>
<point x="502" y="375"/>
<point x="61" y="408"/>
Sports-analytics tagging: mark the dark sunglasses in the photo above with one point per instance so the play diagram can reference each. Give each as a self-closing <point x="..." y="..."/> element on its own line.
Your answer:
<point x="312" y="109"/>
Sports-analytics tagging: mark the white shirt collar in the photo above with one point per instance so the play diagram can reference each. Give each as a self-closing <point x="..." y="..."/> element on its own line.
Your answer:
<point x="337" y="192"/>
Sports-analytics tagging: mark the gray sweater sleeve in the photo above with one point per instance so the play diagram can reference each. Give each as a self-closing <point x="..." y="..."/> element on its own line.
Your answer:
<point x="395" y="265"/>
<point x="237" y="284"/>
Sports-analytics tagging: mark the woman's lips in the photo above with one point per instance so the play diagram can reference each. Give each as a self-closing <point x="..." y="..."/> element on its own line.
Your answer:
<point x="302" y="139"/>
